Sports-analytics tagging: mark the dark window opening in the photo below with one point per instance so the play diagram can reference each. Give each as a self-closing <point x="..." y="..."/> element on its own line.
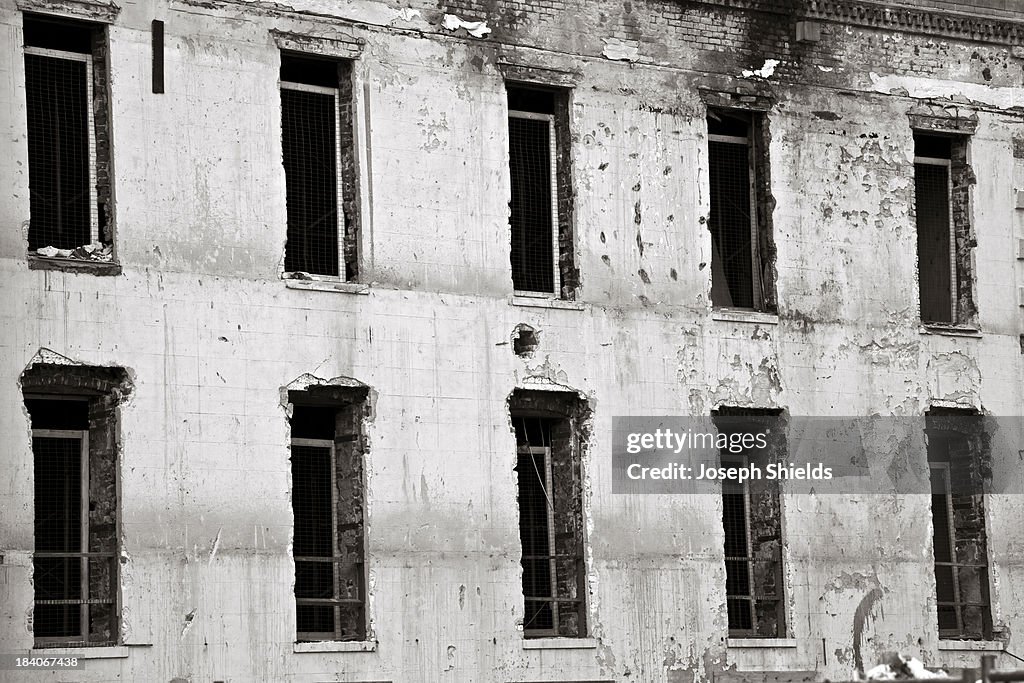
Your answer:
<point x="68" y="139"/>
<point x="541" y="205"/>
<point x="327" y="451"/>
<point x="550" y="514"/>
<point x="74" y="445"/>
<point x="944" y="245"/>
<point x="752" y="520"/>
<point x="58" y="34"/>
<point x="319" y="164"/>
<point x="742" y="260"/>
<point x="956" y="445"/>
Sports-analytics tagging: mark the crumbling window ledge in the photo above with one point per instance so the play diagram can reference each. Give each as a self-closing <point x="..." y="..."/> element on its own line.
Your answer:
<point x="110" y="652"/>
<point x="950" y="330"/>
<point x="559" y="643"/>
<point x="973" y="645"/>
<point x="760" y="642"/>
<point x="336" y="646"/>
<point x="739" y="315"/>
<point x="68" y="265"/>
<point x="545" y="302"/>
<point x="326" y="284"/>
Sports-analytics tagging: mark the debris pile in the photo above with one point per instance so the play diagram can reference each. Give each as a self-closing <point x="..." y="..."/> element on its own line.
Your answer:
<point x="898" y="667"/>
<point x="96" y="251"/>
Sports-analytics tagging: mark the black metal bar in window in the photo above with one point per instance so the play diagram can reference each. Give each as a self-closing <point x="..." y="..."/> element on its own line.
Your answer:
<point x="158" y="56"/>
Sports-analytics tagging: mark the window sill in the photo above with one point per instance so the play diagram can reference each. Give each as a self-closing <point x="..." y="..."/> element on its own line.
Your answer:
<point x="68" y="265"/>
<point x="545" y="302"/>
<point x="337" y="646"/>
<point x="327" y="285"/>
<point x="739" y="315"/>
<point x="973" y="645"/>
<point x="559" y="643"/>
<point x="105" y="652"/>
<point x="949" y="330"/>
<point x="760" y="642"/>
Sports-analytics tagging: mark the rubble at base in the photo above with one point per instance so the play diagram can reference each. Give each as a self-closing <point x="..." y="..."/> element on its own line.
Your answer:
<point x="96" y="251"/>
<point x="899" y="667"/>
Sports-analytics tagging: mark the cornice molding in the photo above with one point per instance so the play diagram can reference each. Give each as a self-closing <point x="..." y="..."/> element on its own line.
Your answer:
<point x="933" y="22"/>
<point x="93" y="10"/>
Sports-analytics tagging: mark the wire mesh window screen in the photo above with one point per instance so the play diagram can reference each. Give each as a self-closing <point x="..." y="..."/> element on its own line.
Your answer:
<point x="553" y="571"/>
<point x="536" y="531"/>
<point x="753" y="563"/>
<point x="328" y="512"/>
<point x="62" y="195"/>
<point x="752" y="522"/>
<point x="738" y="584"/>
<point x="313" y="505"/>
<point x="936" y="241"/>
<point x="534" y="206"/>
<point x="961" y="556"/>
<point x="309" y="121"/>
<point x="75" y="589"/>
<point x="732" y="224"/>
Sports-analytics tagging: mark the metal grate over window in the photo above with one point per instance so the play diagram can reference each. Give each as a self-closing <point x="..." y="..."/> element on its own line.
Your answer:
<point x="534" y="202"/>
<point x="936" y="238"/>
<point x="61" y="149"/>
<point x="735" y="260"/>
<point x="534" y="173"/>
<point x="74" y="569"/>
<point x="328" y="540"/>
<point x="752" y="521"/>
<point x="959" y="541"/>
<point x="553" y="569"/>
<point x="309" y="122"/>
<point x="738" y="569"/>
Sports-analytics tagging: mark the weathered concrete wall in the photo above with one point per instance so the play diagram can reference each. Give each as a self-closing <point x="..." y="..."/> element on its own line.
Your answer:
<point x="210" y="334"/>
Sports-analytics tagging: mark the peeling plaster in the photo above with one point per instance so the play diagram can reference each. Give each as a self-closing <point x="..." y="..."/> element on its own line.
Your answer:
<point x="966" y="93"/>
<point x="477" y="29"/>
<point x="616" y="49"/>
<point x="765" y="71"/>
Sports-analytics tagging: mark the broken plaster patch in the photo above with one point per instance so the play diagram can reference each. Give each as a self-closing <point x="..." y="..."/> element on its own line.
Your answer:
<point x="406" y="14"/>
<point x="49" y="357"/>
<point x="306" y="380"/>
<point x="965" y="93"/>
<point x="477" y="29"/>
<point x="619" y="50"/>
<point x="765" y="71"/>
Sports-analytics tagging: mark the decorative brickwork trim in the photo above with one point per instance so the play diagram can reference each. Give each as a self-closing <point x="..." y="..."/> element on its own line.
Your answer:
<point x="105" y="12"/>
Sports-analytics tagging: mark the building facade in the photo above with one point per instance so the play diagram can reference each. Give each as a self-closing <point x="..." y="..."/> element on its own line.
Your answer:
<point x="316" y="317"/>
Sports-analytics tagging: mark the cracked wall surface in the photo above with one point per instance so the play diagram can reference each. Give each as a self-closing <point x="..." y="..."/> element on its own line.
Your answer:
<point x="212" y="334"/>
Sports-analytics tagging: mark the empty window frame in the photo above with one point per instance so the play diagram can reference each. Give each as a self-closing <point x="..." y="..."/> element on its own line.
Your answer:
<point x="318" y="153"/>
<point x="943" y="249"/>
<point x="743" y="252"/>
<point x="75" y="558"/>
<point x="68" y="137"/>
<point x="551" y="525"/>
<point x="958" y="522"/>
<point x="328" y="502"/>
<point x="541" y="207"/>
<point x="752" y="520"/>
